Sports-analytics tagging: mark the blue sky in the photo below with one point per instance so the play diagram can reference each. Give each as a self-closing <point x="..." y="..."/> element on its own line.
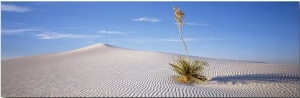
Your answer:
<point x="254" y="31"/>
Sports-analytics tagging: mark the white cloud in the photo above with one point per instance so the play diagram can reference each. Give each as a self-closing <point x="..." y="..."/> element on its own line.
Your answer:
<point x="216" y="39"/>
<point x="195" y="24"/>
<point x="114" y="43"/>
<point x="71" y="28"/>
<point x="19" y="23"/>
<point x="135" y="40"/>
<point x="15" y="31"/>
<point x="144" y="40"/>
<point x="14" y="8"/>
<point x="209" y="39"/>
<point x="179" y="40"/>
<point x="55" y="35"/>
<point x="91" y="42"/>
<point x="190" y="39"/>
<point x="111" y="32"/>
<point x="146" y="19"/>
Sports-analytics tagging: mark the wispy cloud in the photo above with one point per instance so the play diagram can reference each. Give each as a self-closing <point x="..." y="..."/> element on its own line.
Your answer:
<point x="14" y="8"/>
<point x="70" y="28"/>
<point x="146" y="19"/>
<point x="19" y="23"/>
<point x="111" y="32"/>
<point x="42" y="34"/>
<point x="178" y="39"/>
<point x="91" y="42"/>
<point x="114" y="43"/>
<point x="56" y="35"/>
<point x="144" y="40"/>
<point x="16" y="31"/>
<point x="195" y="24"/>
<point x="216" y="39"/>
<point x="190" y="39"/>
<point x="156" y="40"/>
<point x="134" y="40"/>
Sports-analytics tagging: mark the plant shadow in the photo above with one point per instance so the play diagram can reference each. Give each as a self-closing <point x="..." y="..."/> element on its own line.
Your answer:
<point x="244" y="79"/>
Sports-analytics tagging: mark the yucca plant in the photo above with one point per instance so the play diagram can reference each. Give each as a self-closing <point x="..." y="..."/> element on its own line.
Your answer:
<point x="189" y="72"/>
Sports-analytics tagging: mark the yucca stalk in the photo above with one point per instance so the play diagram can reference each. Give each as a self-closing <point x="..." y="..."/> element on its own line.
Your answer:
<point x="189" y="71"/>
<point x="179" y="15"/>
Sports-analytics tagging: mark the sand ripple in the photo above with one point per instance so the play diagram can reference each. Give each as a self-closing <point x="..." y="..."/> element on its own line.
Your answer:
<point x="106" y="71"/>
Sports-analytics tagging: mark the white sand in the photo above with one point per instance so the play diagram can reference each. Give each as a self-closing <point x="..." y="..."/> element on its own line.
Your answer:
<point x="101" y="70"/>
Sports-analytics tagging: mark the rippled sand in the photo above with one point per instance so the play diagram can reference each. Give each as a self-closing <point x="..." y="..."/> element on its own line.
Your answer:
<point x="102" y="70"/>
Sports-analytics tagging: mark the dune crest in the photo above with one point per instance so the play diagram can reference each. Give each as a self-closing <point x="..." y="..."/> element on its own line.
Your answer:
<point x="90" y="48"/>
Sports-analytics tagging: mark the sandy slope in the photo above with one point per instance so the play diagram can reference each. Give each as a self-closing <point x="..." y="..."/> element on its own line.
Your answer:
<point x="102" y="70"/>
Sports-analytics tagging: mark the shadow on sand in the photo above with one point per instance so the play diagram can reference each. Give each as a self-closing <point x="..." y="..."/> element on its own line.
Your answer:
<point x="256" y="78"/>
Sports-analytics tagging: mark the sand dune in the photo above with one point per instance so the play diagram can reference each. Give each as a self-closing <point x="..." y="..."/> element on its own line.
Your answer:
<point x="102" y="70"/>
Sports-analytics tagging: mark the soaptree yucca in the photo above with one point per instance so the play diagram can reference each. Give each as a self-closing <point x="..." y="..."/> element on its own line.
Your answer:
<point x="189" y="71"/>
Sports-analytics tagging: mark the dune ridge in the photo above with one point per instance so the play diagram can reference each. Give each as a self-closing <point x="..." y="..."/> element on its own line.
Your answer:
<point x="103" y="70"/>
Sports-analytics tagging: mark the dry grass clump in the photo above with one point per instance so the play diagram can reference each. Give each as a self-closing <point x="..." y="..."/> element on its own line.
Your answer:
<point x="189" y="72"/>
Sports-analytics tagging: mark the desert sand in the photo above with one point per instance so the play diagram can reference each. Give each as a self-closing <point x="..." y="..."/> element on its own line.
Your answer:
<point x="102" y="70"/>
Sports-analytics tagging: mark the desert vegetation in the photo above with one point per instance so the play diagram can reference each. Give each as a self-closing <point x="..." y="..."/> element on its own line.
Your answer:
<point x="190" y="71"/>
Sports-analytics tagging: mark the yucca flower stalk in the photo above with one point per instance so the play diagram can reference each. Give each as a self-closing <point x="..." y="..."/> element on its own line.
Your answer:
<point x="179" y="15"/>
<point x="189" y="71"/>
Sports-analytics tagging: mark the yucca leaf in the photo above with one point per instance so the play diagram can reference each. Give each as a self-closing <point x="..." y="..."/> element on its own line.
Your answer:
<point x="199" y="78"/>
<point x="174" y="66"/>
<point x="177" y="69"/>
<point x="190" y="69"/>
